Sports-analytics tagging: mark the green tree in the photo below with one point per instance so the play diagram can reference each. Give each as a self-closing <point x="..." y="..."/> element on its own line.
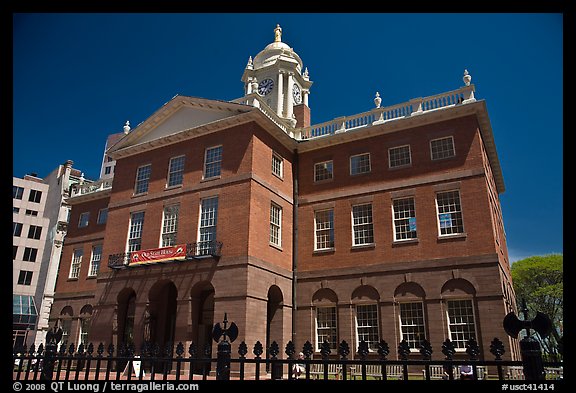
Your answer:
<point x="539" y="280"/>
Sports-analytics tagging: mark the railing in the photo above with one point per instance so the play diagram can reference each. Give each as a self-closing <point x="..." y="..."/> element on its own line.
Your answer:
<point x="254" y="99"/>
<point x="88" y="188"/>
<point x="413" y="107"/>
<point x="197" y="250"/>
<point x="90" y="363"/>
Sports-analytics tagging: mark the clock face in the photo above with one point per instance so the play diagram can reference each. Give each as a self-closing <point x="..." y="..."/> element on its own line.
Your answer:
<point x="265" y="86"/>
<point x="297" y="94"/>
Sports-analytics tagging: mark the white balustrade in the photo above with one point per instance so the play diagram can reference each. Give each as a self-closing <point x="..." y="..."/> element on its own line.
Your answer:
<point x="88" y="188"/>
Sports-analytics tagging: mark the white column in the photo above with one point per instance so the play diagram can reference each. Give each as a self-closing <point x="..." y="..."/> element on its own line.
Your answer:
<point x="305" y="94"/>
<point x="280" y="97"/>
<point x="249" y="86"/>
<point x="289" y="99"/>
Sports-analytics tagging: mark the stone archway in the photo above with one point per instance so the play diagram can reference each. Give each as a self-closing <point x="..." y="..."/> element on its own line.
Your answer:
<point x="202" y="307"/>
<point x="162" y="313"/>
<point x="274" y="318"/>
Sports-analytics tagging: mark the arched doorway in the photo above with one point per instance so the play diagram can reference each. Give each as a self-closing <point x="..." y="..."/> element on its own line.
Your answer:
<point x="161" y="312"/>
<point x="202" y="301"/>
<point x="274" y="318"/>
<point x="126" y="313"/>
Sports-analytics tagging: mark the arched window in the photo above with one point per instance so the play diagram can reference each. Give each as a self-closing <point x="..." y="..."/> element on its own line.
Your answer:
<point x="365" y="299"/>
<point x="85" y="315"/>
<point x="410" y="298"/>
<point x="458" y="296"/>
<point x="65" y="323"/>
<point x="325" y="301"/>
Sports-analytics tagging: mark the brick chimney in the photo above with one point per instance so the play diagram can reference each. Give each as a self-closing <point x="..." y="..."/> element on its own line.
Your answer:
<point x="302" y="114"/>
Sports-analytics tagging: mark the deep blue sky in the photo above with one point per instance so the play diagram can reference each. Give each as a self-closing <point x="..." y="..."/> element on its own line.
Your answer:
<point x="79" y="77"/>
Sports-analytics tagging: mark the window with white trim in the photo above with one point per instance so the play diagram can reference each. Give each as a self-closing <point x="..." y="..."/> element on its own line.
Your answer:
<point x="442" y="148"/>
<point x="30" y="254"/>
<point x="275" y="225"/>
<point x="34" y="232"/>
<point x="76" y="262"/>
<point x="412" y="324"/>
<point x="176" y="171"/>
<point x="362" y="225"/>
<point x="359" y="164"/>
<point x="95" y="260"/>
<point x="25" y="277"/>
<point x="16" y="228"/>
<point x="367" y="325"/>
<point x="142" y="179"/>
<point x="461" y="326"/>
<point x="277" y="165"/>
<point x="17" y="192"/>
<point x="404" y="219"/>
<point x="449" y="213"/>
<point x="326" y="329"/>
<point x="35" y="196"/>
<point x="84" y="219"/>
<point x="212" y="162"/>
<point x="399" y="156"/>
<point x="323" y="171"/>
<point x="102" y="216"/>
<point x="207" y="227"/>
<point x="170" y="225"/>
<point x="324" y="229"/>
<point x="135" y="231"/>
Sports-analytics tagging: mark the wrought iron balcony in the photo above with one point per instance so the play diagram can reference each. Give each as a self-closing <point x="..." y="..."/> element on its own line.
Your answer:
<point x="197" y="250"/>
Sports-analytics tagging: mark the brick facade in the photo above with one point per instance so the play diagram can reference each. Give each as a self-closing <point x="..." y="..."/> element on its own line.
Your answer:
<point x="253" y="280"/>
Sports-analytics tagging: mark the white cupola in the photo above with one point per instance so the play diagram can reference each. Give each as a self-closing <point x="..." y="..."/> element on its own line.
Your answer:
<point x="277" y="75"/>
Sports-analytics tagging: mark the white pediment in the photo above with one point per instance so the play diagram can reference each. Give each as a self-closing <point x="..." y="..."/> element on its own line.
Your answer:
<point x="184" y="119"/>
<point x="178" y="115"/>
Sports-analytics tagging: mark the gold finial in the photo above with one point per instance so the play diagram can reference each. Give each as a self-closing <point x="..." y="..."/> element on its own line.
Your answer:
<point x="278" y="34"/>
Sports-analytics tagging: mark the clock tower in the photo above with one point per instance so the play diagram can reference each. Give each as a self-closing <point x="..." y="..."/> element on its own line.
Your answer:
<point x="277" y="75"/>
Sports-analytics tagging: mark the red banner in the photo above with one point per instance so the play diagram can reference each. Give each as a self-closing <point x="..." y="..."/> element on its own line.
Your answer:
<point x="158" y="255"/>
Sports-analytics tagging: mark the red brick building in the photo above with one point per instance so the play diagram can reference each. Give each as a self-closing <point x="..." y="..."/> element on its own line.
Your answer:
<point x="383" y="225"/>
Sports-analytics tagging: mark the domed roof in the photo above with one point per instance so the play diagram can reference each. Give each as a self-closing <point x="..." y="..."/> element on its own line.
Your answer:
<point x="273" y="51"/>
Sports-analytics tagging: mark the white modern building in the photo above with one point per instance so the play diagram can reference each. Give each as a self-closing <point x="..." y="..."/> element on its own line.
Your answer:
<point x="39" y="224"/>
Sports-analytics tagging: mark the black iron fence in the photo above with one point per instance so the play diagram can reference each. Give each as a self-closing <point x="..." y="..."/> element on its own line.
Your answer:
<point x="177" y="363"/>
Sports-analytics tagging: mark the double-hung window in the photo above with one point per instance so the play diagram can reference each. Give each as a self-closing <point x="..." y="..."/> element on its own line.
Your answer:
<point x="275" y="225"/>
<point x="326" y="329"/>
<point x="324" y="229"/>
<point x="170" y="225"/>
<point x="412" y="324"/>
<point x="449" y="213"/>
<point x="207" y="227"/>
<point x="362" y="225"/>
<point x="76" y="262"/>
<point x="135" y="231"/>
<point x="461" y="325"/>
<point x="176" y="171"/>
<point x="142" y="179"/>
<point x="212" y="162"/>
<point x="367" y="325"/>
<point x="277" y="165"/>
<point x="95" y="260"/>
<point x="404" y="219"/>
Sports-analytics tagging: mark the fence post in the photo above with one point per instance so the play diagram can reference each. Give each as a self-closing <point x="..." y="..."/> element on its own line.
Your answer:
<point x="532" y="359"/>
<point x="529" y="347"/>
<point x="52" y="339"/>
<point x="224" y="347"/>
<point x="223" y="362"/>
